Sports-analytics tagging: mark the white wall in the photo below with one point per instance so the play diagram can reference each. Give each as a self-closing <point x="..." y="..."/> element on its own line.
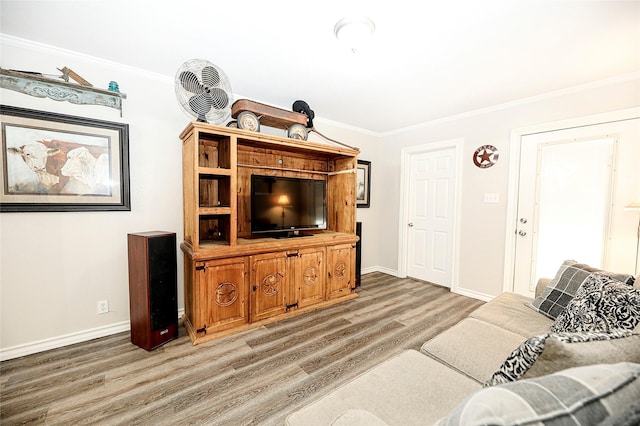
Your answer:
<point x="56" y="266"/>
<point x="482" y="244"/>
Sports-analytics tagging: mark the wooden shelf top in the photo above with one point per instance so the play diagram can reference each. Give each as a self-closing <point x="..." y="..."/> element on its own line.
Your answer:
<point x="256" y="139"/>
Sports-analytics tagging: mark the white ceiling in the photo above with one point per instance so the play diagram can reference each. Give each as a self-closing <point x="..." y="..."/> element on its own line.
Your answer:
<point x="427" y="59"/>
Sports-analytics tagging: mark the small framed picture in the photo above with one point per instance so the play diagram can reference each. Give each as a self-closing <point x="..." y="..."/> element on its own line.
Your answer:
<point x="363" y="184"/>
<point x="54" y="162"/>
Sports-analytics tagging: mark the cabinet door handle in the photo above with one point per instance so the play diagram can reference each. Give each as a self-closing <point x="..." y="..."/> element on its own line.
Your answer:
<point x="255" y="287"/>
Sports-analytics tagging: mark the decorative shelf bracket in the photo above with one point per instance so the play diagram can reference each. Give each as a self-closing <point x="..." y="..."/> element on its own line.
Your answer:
<point x="43" y="87"/>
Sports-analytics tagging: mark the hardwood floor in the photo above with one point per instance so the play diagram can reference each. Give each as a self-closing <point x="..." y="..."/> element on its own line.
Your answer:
<point x="257" y="377"/>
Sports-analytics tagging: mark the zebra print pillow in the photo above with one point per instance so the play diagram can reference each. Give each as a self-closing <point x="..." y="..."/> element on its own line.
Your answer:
<point x="525" y="355"/>
<point x="600" y="304"/>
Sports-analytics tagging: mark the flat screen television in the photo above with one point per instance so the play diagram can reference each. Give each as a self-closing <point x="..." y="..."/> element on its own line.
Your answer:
<point x="284" y="204"/>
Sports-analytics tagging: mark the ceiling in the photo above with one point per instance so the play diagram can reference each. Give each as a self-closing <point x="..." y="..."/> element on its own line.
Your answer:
<point x="427" y="59"/>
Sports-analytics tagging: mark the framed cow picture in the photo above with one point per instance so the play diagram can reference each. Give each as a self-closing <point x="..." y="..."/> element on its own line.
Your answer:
<point x="53" y="162"/>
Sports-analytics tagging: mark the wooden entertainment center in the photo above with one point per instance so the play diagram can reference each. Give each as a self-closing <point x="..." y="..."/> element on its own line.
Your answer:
<point x="235" y="280"/>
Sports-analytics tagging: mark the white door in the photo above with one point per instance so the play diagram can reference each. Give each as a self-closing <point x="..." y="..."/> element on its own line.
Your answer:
<point x="431" y="202"/>
<point x="572" y="188"/>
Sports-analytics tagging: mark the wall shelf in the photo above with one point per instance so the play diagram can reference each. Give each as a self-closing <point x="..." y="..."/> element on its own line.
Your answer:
<point x="59" y="90"/>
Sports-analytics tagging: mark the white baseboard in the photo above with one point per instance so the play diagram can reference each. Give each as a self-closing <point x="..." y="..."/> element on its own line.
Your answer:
<point x="382" y="269"/>
<point x="460" y="291"/>
<point x="60" y="341"/>
<point x="66" y="340"/>
<point x="473" y="294"/>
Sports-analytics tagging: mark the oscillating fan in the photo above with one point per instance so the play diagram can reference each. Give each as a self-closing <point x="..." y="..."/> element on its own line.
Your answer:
<point x="204" y="91"/>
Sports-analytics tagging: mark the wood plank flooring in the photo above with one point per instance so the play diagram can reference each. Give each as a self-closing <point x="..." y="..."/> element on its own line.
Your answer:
<point x="257" y="377"/>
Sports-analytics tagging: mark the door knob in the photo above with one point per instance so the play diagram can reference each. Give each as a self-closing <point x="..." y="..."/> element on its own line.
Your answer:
<point x="522" y="233"/>
<point x="410" y="224"/>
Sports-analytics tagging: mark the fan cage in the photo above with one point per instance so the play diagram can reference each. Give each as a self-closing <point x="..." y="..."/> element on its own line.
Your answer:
<point x="204" y="91"/>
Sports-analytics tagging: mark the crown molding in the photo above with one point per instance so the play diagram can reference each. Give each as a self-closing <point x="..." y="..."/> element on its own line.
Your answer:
<point x="524" y="101"/>
<point x="49" y="49"/>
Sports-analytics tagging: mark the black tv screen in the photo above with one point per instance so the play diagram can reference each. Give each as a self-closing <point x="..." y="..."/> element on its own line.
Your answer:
<point x="283" y="204"/>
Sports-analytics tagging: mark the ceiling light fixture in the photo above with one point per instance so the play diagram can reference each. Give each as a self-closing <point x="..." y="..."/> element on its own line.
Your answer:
<point x="354" y="31"/>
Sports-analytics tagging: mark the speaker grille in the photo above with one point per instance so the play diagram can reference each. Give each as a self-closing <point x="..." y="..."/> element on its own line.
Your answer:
<point x="163" y="298"/>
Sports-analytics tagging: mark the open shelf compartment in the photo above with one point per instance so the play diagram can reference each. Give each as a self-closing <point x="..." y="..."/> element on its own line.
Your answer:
<point x="214" y="151"/>
<point x="214" y="190"/>
<point x="214" y="229"/>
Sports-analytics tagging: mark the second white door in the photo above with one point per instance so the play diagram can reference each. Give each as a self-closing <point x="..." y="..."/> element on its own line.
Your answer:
<point x="431" y="197"/>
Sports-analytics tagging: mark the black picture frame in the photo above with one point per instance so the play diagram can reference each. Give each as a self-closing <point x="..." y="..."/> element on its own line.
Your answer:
<point x="61" y="163"/>
<point x="363" y="184"/>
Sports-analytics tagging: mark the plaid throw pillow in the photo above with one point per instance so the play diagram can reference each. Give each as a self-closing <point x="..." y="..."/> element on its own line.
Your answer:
<point x="564" y="286"/>
<point x="586" y="395"/>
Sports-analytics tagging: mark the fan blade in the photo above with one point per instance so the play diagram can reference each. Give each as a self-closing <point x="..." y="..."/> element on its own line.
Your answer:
<point x="200" y="104"/>
<point x="210" y="76"/>
<point x="219" y="98"/>
<point x="190" y="82"/>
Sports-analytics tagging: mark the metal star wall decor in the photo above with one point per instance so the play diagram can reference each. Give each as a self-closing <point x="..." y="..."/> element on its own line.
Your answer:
<point x="485" y="156"/>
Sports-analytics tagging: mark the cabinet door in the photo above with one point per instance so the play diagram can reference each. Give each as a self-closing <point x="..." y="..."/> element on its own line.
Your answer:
<point x="341" y="271"/>
<point x="222" y="289"/>
<point x="307" y="280"/>
<point x="268" y="285"/>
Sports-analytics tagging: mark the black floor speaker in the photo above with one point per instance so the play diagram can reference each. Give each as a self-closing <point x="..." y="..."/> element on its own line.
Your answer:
<point x="153" y="289"/>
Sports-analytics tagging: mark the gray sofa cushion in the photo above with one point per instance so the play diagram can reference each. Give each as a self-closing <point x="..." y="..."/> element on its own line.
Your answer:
<point x="601" y="304"/>
<point x="409" y="389"/>
<point x="473" y="347"/>
<point x="553" y="352"/>
<point x="564" y="286"/>
<point x="508" y="311"/>
<point x="577" y="396"/>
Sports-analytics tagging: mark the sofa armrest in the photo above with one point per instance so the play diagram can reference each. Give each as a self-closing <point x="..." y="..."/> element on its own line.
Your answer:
<point x="541" y="285"/>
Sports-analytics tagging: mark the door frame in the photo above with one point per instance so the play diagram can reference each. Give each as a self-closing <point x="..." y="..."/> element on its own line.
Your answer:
<point x="405" y="173"/>
<point x="514" y="174"/>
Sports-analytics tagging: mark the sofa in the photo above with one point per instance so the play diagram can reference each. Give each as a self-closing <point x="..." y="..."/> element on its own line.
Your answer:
<point x="493" y="366"/>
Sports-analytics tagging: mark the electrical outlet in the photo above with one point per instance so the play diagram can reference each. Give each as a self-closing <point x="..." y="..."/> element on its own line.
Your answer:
<point x="103" y="306"/>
